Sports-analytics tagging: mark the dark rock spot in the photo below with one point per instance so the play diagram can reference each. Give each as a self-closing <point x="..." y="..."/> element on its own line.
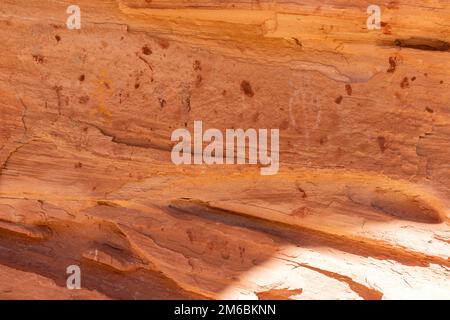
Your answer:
<point x="78" y="165"/>
<point x="349" y="89"/>
<point x="163" y="43"/>
<point x="392" y="64"/>
<point x="247" y="88"/>
<point x="413" y="79"/>
<point x="190" y="235"/>
<point x="38" y="58"/>
<point x="197" y="65"/>
<point x="304" y="196"/>
<point x="81" y="78"/>
<point x="58" y="38"/>
<point x="297" y="42"/>
<point x="186" y="101"/>
<point x="198" y="81"/>
<point x="323" y="140"/>
<point x="83" y="99"/>
<point x="338" y="100"/>
<point x="146" y="50"/>
<point x="137" y="85"/>
<point x="386" y="27"/>
<point x="405" y="83"/>
<point x="382" y="143"/>
<point x="225" y="255"/>
<point x="428" y="109"/>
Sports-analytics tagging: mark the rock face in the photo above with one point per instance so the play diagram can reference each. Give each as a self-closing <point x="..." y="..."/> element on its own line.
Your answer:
<point x="359" y="208"/>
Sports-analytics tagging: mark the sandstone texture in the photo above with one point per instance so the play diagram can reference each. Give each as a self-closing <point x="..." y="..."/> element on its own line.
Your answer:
<point x="360" y="206"/>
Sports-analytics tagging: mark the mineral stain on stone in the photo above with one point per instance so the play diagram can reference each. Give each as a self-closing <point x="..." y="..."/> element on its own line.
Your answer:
<point x="163" y="43"/>
<point x="382" y="143"/>
<point x="247" y="88"/>
<point x="197" y="65"/>
<point x="146" y="50"/>
<point x="349" y="89"/>
<point x="405" y="83"/>
<point x="392" y="64"/>
<point x="198" y="81"/>
<point x="83" y="99"/>
<point x="38" y="58"/>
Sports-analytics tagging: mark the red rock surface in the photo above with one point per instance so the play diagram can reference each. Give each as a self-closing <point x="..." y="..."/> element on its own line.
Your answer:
<point x="358" y="210"/>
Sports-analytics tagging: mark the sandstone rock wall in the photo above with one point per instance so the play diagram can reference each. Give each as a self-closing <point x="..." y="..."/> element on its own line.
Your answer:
<point x="358" y="210"/>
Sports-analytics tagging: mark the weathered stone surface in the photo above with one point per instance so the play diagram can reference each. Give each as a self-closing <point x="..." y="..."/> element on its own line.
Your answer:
<point x="358" y="210"/>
